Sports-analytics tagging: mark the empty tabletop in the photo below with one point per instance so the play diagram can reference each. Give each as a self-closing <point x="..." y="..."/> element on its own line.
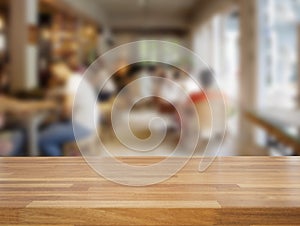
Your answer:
<point x="234" y="190"/>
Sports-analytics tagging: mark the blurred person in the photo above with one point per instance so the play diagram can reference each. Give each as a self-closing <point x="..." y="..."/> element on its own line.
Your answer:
<point x="56" y="135"/>
<point x="73" y="61"/>
<point x="104" y="82"/>
<point x="11" y="138"/>
<point x="171" y="90"/>
<point x="44" y="75"/>
<point x="169" y="95"/>
<point x="4" y="79"/>
<point x="11" y="142"/>
<point x="13" y="112"/>
<point x="209" y="103"/>
<point x="159" y="72"/>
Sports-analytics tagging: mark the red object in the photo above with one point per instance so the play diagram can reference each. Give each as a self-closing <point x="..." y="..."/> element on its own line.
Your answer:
<point x="198" y="97"/>
<point x="202" y="96"/>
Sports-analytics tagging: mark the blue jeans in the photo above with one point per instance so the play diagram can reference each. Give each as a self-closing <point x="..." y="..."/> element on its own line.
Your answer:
<point x="18" y="142"/>
<point x="55" y="136"/>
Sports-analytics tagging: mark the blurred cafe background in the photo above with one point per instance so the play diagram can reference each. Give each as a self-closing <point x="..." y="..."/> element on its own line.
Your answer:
<point x="251" y="46"/>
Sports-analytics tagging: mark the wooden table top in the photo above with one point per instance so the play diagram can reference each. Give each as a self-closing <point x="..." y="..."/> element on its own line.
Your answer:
<point x="64" y="190"/>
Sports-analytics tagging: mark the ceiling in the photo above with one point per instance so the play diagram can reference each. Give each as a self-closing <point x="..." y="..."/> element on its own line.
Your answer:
<point x="148" y="14"/>
<point x="137" y="14"/>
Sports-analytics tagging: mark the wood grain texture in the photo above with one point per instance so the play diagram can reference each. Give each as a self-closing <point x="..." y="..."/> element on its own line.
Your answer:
<point x="233" y="191"/>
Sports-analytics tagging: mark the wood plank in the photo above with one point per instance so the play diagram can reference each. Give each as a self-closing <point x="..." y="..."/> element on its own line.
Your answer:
<point x="234" y="190"/>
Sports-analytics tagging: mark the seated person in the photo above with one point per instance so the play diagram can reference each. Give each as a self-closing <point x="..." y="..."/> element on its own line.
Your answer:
<point x="56" y="135"/>
<point x="10" y="141"/>
<point x="12" y="134"/>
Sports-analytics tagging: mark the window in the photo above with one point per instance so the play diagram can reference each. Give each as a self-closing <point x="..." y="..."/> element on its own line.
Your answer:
<point x="278" y="24"/>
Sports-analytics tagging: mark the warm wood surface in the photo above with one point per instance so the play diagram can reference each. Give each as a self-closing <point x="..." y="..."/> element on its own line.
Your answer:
<point x="234" y="190"/>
